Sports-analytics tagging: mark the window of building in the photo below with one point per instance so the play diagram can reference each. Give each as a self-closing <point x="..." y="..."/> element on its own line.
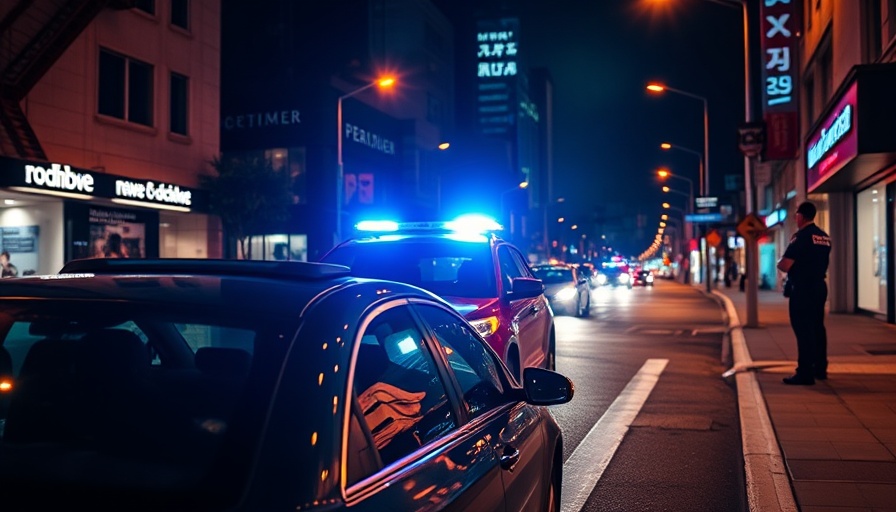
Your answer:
<point x="891" y="20"/>
<point x="809" y="95"/>
<point x="147" y="6"/>
<point x="293" y="160"/>
<point x="125" y="88"/>
<point x="826" y="74"/>
<point x="178" y="109"/>
<point x="180" y="13"/>
<point x="433" y="109"/>
<point x="873" y="23"/>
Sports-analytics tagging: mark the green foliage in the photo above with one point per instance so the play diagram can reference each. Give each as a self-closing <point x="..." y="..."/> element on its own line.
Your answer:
<point x="247" y="194"/>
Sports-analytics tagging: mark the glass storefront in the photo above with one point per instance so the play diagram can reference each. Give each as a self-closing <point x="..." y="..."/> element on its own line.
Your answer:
<point x="871" y="248"/>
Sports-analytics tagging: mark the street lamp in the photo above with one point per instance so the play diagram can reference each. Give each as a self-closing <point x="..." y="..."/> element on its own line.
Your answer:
<point x="340" y="176"/>
<point x="704" y="182"/>
<point x="666" y="146"/>
<point x="666" y="173"/>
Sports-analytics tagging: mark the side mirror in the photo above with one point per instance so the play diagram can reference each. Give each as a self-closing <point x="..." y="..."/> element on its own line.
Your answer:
<point x="544" y="387"/>
<point x="526" y="288"/>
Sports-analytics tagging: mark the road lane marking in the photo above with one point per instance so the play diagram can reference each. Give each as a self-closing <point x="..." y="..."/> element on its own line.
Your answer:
<point x="589" y="460"/>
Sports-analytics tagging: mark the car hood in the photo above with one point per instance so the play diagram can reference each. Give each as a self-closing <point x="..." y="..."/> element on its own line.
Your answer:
<point x="473" y="308"/>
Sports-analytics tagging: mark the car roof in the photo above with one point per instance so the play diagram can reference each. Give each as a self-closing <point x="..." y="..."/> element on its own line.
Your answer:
<point x="265" y="287"/>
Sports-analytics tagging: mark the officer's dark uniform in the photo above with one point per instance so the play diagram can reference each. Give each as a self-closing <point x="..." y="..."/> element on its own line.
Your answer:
<point x="810" y="250"/>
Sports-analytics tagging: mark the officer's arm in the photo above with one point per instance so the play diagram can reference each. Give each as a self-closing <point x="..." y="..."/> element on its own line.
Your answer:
<point x="784" y="264"/>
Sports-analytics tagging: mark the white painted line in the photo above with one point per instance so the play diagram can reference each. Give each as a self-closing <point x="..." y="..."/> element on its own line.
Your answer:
<point x="589" y="460"/>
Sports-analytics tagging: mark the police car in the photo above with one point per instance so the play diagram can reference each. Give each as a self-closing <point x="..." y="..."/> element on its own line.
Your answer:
<point x="468" y="264"/>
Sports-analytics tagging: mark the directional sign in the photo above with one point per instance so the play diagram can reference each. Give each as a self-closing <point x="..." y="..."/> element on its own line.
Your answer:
<point x="706" y="202"/>
<point x="751" y="226"/>
<point x="703" y="217"/>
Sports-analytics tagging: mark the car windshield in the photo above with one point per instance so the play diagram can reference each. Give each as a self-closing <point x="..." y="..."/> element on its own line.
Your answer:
<point x="133" y="400"/>
<point x="449" y="268"/>
<point x="550" y="275"/>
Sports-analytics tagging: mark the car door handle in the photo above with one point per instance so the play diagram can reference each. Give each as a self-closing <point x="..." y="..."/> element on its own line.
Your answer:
<point x="510" y="457"/>
<point x="533" y="311"/>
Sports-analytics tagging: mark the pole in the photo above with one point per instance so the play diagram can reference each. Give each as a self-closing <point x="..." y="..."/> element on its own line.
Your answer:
<point x="752" y="243"/>
<point x="340" y="177"/>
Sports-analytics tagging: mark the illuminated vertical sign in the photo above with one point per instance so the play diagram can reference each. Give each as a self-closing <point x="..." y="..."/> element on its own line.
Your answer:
<point x="834" y="143"/>
<point x="780" y="106"/>
<point x="497" y="49"/>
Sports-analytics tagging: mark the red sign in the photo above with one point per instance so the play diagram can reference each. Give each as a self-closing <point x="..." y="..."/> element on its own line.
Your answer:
<point x="835" y="143"/>
<point x="780" y="105"/>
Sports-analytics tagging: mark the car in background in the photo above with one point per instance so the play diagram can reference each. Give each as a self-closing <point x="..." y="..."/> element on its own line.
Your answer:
<point x="615" y="275"/>
<point x="214" y="385"/>
<point x="566" y="288"/>
<point x="642" y="277"/>
<point x="588" y="271"/>
<point x="464" y="261"/>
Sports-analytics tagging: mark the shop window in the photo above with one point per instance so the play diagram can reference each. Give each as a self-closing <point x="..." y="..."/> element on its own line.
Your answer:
<point x="180" y="13"/>
<point x="125" y="88"/>
<point x="178" y="108"/>
<point x="871" y="248"/>
<point x="147" y="6"/>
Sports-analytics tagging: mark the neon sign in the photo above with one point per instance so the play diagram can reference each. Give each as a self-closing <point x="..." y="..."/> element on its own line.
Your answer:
<point x="830" y="136"/>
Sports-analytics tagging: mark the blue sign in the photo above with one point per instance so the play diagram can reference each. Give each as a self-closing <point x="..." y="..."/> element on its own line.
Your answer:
<point x="704" y="217"/>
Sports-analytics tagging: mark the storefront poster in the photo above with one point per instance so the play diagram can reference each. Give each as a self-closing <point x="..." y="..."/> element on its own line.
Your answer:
<point x="21" y="242"/>
<point x="103" y="232"/>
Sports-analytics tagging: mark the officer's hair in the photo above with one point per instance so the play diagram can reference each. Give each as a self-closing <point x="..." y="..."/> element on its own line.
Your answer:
<point x="807" y="210"/>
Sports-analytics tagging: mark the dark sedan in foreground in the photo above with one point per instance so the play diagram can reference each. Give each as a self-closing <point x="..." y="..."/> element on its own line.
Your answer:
<point x="235" y="385"/>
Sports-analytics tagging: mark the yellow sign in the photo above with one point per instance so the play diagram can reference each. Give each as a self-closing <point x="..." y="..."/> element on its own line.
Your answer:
<point x="751" y="226"/>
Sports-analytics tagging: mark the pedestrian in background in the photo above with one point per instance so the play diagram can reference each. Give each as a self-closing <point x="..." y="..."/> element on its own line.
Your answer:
<point x="806" y="263"/>
<point x="7" y="269"/>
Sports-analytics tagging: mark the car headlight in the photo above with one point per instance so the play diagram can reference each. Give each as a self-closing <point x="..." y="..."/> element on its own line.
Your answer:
<point x="623" y="278"/>
<point x="601" y="279"/>
<point x="485" y="326"/>
<point x="565" y="294"/>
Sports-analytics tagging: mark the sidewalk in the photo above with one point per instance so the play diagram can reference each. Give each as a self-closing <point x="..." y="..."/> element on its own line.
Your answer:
<point x="829" y="447"/>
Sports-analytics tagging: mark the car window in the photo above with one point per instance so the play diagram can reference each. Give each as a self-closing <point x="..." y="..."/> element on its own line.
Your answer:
<point x="509" y="268"/>
<point x="398" y="393"/>
<point x="551" y="275"/>
<point x="474" y="366"/>
<point x="445" y="267"/>
<point x="525" y="269"/>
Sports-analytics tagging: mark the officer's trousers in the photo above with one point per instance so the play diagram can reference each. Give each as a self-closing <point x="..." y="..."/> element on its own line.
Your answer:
<point x="807" y="320"/>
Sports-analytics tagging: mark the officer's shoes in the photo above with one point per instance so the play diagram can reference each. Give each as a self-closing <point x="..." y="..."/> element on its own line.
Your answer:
<point x="799" y="380"/>
<point x="821" y="376"/>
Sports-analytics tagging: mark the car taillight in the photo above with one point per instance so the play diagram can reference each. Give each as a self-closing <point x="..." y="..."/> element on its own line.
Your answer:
<point x="485" y="326"/>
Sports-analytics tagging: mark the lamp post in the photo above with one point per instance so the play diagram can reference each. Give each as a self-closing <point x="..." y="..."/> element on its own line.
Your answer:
<point x="666" y="146"/>
<point x="704" y="182"/>
<point x="509" y="211"/>
<point x="752" y="288"/>
<point x="340" y="176"/>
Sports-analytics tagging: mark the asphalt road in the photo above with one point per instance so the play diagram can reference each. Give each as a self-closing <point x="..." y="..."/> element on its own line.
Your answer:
<point x="653" y="426"/>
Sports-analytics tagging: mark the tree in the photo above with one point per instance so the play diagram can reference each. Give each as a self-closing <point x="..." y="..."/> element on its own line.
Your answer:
<point x="247" y="194"/>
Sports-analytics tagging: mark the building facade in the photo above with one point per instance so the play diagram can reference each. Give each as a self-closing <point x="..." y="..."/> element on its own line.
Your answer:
<point x="298" y="89"/>
<point x="847" y="158"/>
<point x="109" y="120"/>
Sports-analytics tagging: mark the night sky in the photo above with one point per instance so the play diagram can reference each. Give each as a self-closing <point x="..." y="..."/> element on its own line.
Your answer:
<point x="601" y="55"/>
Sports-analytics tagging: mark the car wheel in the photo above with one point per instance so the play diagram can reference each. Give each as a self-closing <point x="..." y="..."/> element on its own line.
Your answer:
<point x="551" y="363"/>
<point x="553" y="497"/>
<point x="513" y="364"/>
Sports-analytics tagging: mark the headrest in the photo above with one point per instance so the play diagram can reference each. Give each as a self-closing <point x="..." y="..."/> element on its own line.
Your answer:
<point x="223" y="362"/>
<point x="113" y="352"/>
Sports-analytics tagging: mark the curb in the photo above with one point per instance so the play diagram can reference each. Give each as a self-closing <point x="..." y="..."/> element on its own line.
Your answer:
<point x="767" y="482"/>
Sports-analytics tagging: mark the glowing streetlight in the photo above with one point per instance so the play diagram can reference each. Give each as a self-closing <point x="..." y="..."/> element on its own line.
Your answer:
<point x="658" y="88"/>
<point x="383" y="83"/>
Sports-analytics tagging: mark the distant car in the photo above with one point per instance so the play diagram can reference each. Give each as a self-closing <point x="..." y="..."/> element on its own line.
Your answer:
<point x="615" y="276"/>
<point x="159" y="385"/>
<point x="642" y="277"/>
<point x="566" y="288"/>
<point x="486" y="278"/>
<point x="588" y="271"/>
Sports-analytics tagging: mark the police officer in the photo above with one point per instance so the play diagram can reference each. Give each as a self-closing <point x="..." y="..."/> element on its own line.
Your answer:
<point x="806" y="263"/>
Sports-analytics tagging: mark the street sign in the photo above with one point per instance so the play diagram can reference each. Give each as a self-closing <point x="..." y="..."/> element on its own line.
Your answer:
<point x="751" y="139"/>
<point x="751" y="226"/>
<point x="706" y="202"/>
<point x="703" y="217"/>
<point x="713" y="238"/>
